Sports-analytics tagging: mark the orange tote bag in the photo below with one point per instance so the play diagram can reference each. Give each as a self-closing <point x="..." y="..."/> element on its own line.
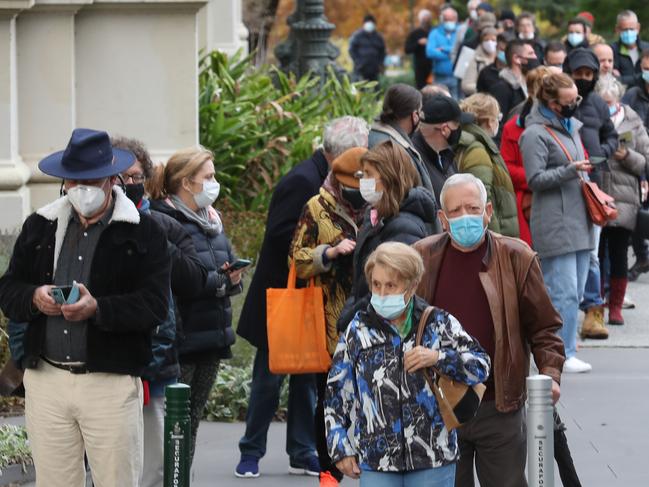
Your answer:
<point x="297" y="338"/>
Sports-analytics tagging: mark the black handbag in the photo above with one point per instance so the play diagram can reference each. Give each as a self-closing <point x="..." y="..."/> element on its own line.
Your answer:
<point x="642" y="223"/>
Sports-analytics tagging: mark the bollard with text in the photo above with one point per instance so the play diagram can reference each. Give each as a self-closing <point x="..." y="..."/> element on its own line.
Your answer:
<point x="177" y="436"/>
<point x="540" y="432"/>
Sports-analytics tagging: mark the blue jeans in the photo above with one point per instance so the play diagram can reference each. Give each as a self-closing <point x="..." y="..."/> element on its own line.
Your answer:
<point x="264" y="400"/>
<point x="451" y="82"/>
<point x="593" y="289"/>
<point x="565" y="278"/>
<point x="429" y="477"/>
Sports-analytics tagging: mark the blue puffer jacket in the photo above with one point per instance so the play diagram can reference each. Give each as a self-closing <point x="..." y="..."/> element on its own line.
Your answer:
<point x="439" y="47"/>
<point x="205" y="321"/>
<point x="384" y="416"/>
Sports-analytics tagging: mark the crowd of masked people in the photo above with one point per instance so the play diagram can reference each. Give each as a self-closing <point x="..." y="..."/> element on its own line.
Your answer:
<point x="450" y="235"/>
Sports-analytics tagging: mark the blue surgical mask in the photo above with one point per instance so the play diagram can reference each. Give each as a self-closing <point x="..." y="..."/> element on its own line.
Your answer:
<point x="450" y="26"/>
<point x="612" y="109"/>
<point x="390" y="306"/>
<point x="575" y="38"/>
<point x="645" y="76"/>
<point x="467" y="230"/>
<point x="629" y="36"/>
<point x="501" y="57"/>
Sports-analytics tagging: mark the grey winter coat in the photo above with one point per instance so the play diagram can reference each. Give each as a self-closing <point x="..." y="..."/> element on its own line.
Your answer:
<point x="559" y="223"/>
<point x="623" y="181"/>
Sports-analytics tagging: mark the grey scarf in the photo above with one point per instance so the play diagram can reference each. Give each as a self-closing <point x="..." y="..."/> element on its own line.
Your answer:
<point x="209" y="223"/>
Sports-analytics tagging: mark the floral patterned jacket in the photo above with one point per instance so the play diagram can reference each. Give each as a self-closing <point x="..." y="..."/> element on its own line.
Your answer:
<point x="384" y="416"/>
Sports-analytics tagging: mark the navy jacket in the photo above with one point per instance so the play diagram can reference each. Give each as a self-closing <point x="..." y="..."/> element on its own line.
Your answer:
<point x="638" y="99"/>
<point x="367" y="50"/>
<point x="630" y="74"/>
<point x="289" y="197"/>
<point x="129" y="278"/>
<point x="205" y="321"/>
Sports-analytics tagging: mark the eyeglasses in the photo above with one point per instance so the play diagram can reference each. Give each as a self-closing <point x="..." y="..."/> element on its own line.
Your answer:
<point x="137" y="178"/>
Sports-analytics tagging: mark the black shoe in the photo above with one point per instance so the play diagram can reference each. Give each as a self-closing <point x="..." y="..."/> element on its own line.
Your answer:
<point x="639" y="267"/>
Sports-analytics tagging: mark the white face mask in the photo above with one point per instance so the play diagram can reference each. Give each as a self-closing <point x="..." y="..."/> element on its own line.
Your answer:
<point x="209" y="194"/>
<point x="489" y="46"/>
<point x="369" y="26"/>
<point x="87" y="200"/>
<point x="526" y="36"/>
<point x="369" y="192"/>
<point x="473" y="14"/>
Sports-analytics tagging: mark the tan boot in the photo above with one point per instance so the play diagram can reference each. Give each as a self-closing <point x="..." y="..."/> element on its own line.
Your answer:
<point x="593" y="325"/>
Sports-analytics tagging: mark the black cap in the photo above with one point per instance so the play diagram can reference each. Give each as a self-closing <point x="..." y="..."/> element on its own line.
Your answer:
<point x="369" y="18"/>
<point x="507" y="15"/>
<point x="581" y="58"/>
<point x="441" y="109"/>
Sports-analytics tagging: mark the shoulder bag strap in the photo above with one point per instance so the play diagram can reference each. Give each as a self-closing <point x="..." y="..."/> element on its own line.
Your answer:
<point x="563" y="147"/>
<point x="420" y="333"/>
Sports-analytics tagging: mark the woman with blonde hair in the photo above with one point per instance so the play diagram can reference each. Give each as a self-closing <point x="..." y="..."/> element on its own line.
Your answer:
<point x="382" y="420"/>
<point x="562" y="232"/>
<point x="478" y="154"/>
<point x="511" y="151"/>
<point x="185" y="188"/>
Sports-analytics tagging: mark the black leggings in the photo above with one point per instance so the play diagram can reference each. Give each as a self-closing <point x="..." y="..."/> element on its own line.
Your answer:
<point x="616" y="241"/>
<point x="320" y="434"/>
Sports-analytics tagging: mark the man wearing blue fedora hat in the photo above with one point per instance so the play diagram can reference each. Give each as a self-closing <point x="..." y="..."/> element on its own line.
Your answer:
<point x="90" y="276"/>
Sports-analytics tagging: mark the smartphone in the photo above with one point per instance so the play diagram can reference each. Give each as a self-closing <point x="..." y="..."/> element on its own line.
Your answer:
<point x="65" y="294"/>
<point x="239" y="264"/>
<point x="595" y="160"/>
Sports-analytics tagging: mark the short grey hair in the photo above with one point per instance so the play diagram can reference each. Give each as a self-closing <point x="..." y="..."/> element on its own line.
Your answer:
<point x="447" y="7"/>
<point x="423" y="14"/>
<point x="461" y="179"/>
<point x="608" y="85"/>
<point x="626" y="14"/>
<point x="344" y="133"/>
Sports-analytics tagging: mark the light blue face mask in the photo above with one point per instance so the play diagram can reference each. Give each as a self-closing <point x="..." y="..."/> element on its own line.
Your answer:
<point x="629" y="37"/>
<point x="575" y="38"/>
<point x="390" y="306"/>
<point x="450" y="26"/>
<point x="467" y="230"/>
<point x="612" y="109"/>
<point x="501" y="57"/>
<point x="645" y="76"/>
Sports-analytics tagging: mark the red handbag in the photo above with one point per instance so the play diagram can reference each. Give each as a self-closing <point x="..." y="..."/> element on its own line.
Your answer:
<point x="601" y="206"/>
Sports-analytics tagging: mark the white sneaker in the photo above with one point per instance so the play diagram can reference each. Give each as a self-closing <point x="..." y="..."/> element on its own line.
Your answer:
<point x="628" y="304"/>
<point x="575" y="366"/>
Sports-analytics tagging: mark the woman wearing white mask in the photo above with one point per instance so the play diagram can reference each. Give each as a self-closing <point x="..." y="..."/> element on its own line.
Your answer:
<point x="185" y="188"/>
<point x="478" y="154"/>
<point x="484" y="55"/>
<point x="400" y="211"/>
<point x="383" y="423"/>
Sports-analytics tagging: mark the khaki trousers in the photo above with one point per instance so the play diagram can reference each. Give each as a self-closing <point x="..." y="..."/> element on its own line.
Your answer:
<point x="67" y="414"/>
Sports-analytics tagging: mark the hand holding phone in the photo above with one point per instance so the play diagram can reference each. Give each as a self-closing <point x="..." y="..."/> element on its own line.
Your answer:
<point x="239" y="264"/>
<point x="65" y="294"/>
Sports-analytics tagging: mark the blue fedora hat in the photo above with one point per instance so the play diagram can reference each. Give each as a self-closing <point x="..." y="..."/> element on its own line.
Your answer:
<point x="89" y="155"/>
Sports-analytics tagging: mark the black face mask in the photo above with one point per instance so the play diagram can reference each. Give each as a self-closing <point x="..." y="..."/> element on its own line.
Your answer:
<point x="134" y="192"/>
<point x="584" y="86"/>
<point x="568" y="111"/>
<point x="454" y="137"/>
<point x="353" y="197"/>
<point x="532" y="63"/>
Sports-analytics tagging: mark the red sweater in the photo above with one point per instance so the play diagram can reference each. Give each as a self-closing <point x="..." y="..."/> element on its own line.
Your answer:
<point x="512" y="155"/>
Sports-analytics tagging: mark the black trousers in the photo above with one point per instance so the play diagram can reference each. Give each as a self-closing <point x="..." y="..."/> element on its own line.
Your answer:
<point x="320" y="434"/>
<point x="616" y="241"/>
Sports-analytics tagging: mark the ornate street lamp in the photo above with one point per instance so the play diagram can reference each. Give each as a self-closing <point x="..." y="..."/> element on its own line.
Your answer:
<point x="308" y="48"/>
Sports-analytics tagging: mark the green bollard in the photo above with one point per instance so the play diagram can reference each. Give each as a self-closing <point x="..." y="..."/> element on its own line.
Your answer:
<point x="177" y="436"/>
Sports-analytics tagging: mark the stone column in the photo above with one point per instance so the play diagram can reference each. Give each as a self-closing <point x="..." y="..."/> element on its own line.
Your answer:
<point x="137" y="71"/>
<point x="220" y="26"/>
<point x="46" y="76"/>
<point x="14" y="196"/>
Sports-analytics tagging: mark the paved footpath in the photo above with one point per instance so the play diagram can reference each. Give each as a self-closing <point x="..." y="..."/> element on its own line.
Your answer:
<point x="605" y="412"/>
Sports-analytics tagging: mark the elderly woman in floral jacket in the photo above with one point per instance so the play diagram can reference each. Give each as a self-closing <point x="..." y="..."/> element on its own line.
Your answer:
<point x="322" y="248"/>
<point x="382" y="420"/>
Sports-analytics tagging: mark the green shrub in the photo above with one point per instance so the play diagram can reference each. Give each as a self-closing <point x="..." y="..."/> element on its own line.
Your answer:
<point x="14" y="446"/>
<point x="260" y="122"/>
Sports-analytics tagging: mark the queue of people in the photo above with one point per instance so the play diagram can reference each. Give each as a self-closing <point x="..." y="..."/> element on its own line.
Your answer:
<point x="123" y="283"/>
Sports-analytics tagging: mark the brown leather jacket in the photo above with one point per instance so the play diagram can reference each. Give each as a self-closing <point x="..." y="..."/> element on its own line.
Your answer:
<point x="523" y="315"/>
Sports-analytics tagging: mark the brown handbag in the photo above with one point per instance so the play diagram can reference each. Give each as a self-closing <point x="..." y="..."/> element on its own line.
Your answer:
<point x="601" y="206"/>
<point x="457" y="402"/>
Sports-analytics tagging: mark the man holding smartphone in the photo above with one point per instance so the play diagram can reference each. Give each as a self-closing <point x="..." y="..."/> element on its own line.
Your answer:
<point x="83" y="359"/>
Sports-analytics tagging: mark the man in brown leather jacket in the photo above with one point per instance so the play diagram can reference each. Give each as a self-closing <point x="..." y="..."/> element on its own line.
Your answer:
<point x="494" y="286"/>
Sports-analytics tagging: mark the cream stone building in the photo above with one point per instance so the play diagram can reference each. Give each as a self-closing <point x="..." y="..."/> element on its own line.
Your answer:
<point x="129" y="67"/>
